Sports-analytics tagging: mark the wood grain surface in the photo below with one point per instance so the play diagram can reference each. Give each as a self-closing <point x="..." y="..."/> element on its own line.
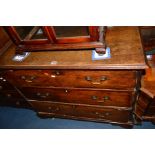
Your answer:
<point x="126" y="53"/>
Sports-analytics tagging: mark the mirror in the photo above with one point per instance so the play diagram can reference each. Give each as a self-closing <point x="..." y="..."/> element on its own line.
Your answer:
<point x="30" y="32"/>
<point x="71" y="31"/>
<point x="39" y="35"/>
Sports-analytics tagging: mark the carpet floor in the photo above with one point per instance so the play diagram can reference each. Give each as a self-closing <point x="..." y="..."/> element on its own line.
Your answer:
<point x="13" y="118"/>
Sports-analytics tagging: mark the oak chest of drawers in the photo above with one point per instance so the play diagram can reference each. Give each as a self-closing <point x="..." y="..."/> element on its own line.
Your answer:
<point x="69" y="84"/>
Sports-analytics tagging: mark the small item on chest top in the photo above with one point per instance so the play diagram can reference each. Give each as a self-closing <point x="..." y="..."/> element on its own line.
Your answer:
<point x="21" y="57"/>
<point x="98" y="56"/>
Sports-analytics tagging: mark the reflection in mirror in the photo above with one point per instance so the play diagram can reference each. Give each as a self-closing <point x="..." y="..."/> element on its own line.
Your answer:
<point x="71" y="31"/>
<point x="30" y="32"/>
<point x="39" y="35"/>
<point x="23" y="31"/>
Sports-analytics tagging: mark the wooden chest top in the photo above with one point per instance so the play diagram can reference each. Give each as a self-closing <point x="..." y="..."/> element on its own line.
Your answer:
<point x="126" y="53"/>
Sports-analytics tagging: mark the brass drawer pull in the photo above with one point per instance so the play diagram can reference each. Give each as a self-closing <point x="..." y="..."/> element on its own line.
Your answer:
<point x="43" y="95"/>
<point x="57" y="109"/>
<point x="105" y="98"/>
<point x="97" y="113"/>
<point x="101" y="101"/>
<point x="28" y="79"/>
<point x="103" y="115"/>
<point x="66" y="91"/>
<point x="103" y="78"/>
<point x="53" y="109"/>
<point x="107" y="114"/>
<point x="11" y="70"/>
<point x="33" y="77"/>
<point x="96" y="82"/>
<point x="17" y="103"/>
<point x="88" y="78"/>
<point x="23" y="77"/>
<point x="73" y="106"/>
<point x="1" y="78"/>
<point x="8" y="95"/>
<point x="94" y="97"/>
<point x="49" y="108"/>
<point x="57" y="73"/>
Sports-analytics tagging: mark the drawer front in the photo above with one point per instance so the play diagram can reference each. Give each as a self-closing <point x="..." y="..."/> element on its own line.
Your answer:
<point x="5" y="85"/>
<point x="142" y="104"/>
<point x="10" y="95"/>
<point x="79" y="111"/>
<point x="13" y="99"/>
<point x="81" y="96"/>
<point x="20" y="103"/>
<point x="73" y="78"/>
